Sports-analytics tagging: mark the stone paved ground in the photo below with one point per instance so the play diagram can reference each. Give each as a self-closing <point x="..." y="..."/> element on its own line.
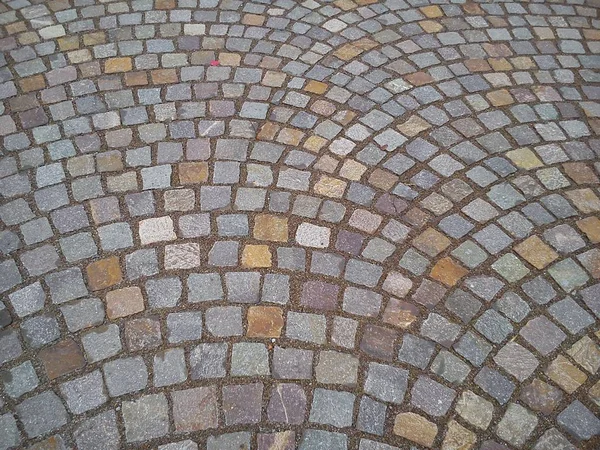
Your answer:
<point x="349" y="224"/>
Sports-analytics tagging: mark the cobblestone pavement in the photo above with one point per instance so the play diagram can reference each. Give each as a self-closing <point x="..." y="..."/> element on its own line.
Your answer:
<point x="270" y="225"/>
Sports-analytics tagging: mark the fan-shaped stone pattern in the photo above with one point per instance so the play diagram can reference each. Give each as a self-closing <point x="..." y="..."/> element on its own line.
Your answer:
<point x="348" y="224"/>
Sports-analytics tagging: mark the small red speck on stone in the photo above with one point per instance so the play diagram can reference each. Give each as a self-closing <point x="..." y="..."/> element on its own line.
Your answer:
<point x="214" y="62"/>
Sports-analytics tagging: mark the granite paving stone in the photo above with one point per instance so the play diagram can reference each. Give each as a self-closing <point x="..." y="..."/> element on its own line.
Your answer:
<point x="195" y="409"/>
<point x="319" y="224"/>
<point x="84" y="393"/>
<point x="99" y="431"/>
<point x="20" y="379"/>
<point x="432" y="397"/>
<point x="242" y="403"/>
<point x="516" y="425"/>
<point x="332" y="408"/>
<point x="42" y="414"/>
<point x="145" y="417"/>
<point x="208" y="361"/>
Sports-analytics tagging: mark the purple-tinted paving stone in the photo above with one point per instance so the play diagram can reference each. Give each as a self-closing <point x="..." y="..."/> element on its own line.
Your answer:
<point x="195" y="409"/>
<point x="378" y="342"/>
<point x="287" y="404"/>
<point x="282" y="440"/>
<point x="543" y="335"/>
<point x="349" y="242"/>
<point x="292" y="363"/>
<point x="143" y="334"/>
<point x="541" y="396"/>
<point x="242" y="403"/>
<point x="429" y="293"/>
<point x="320" y="295"/>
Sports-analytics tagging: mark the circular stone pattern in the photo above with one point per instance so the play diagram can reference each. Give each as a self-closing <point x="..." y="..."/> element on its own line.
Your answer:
<point x="277" y="225"/>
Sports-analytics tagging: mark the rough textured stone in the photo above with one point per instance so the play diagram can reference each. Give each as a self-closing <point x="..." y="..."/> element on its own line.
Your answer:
<point x="146" y="418"/>
<point x="62" y="358"/>
<point x="42" y="414"/>
<point x="195" y="409"/>
<point x="415" y="428"/>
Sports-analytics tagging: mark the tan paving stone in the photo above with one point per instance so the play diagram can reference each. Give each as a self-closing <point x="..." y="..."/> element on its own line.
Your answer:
<point x="415" y="428"/>
<point x="432" y="12"/>
<point x="565" y="374"/>
<point x="104" y="273"/>
<point x="586" y="353"/>
<point x="124" y="302"/>
<point x="192" y="172"/>
<point x="400" y="313"/>
<point x="115" y="65"/>
<point x="458" y="437"/>
<point x="591" y="227"/>
<point x="330" y="187"/>
<point x="271" y="228"/>
<point x="585" y="200"/>
<point x="255" y="20"/>
<point x="256" y="256"/>
<point x="448" y="271"/>
<point x="265" y="321"/>
<point x="316" y="87"/>
<point x="536" y="252"/>
<point x="431" y="242"/>
<point x="524" y="158"/>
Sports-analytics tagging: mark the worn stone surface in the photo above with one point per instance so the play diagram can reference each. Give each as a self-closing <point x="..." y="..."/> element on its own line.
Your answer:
<point x="62" y="358"/>
<point x="415" y="428"/>
<point x="145" y="418"/>
<point x="195" y="409"/>
<point x="231" y="225"/>
<point x="516" y="425"/>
